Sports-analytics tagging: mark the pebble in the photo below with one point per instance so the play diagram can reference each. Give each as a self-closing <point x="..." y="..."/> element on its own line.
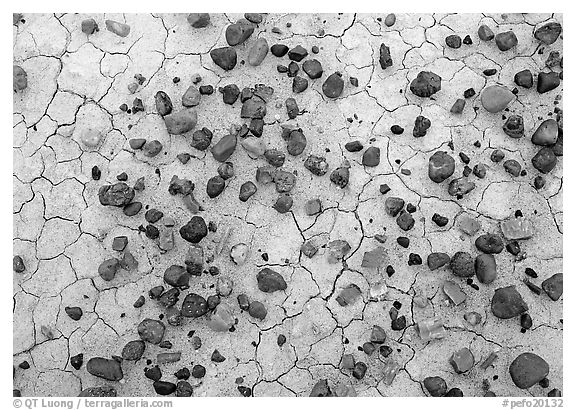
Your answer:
<point x="75" y="313"/>
<point x="201" y="139"/>
<point x="513" y="167"/>
<point x="89" y="26"/>
<point x="397" y="130"/>
<point x="544" y="160"/>
<point x="462" y="265"/>
<point x="405" y="221"/>
<point x="224" y="148"/>
<point x="547" y="82"/>
<point x="120" y="29"/>
<point x="462" y="360"/>
<point x="390" y="20"/>
<point x="222" y="318"/>
<point x="473" y="318"/>
<point x="508" y="303"/>
<point x="152" y="148"/>
<point x="151" y="331"/>
<point x="206" y="90"/>
<point x="181" y="122"/>
<point x="239" y="32"/>
<point x="215" y="186"/>
<point x="333" y="86"/>
<point x="195" y="230"/>
<point x="292" y="108"/>
<point x="441" y="166"/>
<point x="270" y="281"/>
<point x="164" y="388"/>
<point x="437" y="259"/>
<point x="458" y="106"/>
<point x="230" y="93"/>
<point x="440" y="220"/>
<point x="371" y="157"/>
<point x="132" y="208"/>
<point x="133" y="350"/>
<point x="489" y="243"/>
<point x="96" y="173"/>
<point x="257" y="310"/>
<point x="479" y="170"/>
<point x="514" y="126"/>
<point x="421" y="125"/>
<point x="460" y="186"/>
<point x="354" y="146"/>
<point x="18" y="264"/>
<point x="548" y="33"/>
<point x="296" y="143"/>
<point x="341" y="175"/>
<point x="359" y="370"/>
<point x="258" y="52"/>
<point x="194" y="305"/>
<point x="108" y="369"/>
<point x="298" y="53"/>
<point x="528" y="369"/>
<point x="524" y="79"/>
<point x="546" y="134"/>
<point x="506" y="40"/>
<point x="90" y="137"/>
<point x="279" y="50"/>
<point x="224" y="57"/>
<point x="77" y="361"/>
<point x="283" y="204"/>
<point x="435" y="385"/>
<point x="163" y="103"/>
<point x="108" y="268"/>
<point x="554" y="286"/>
<point x="385" y="59"/>
<point x="485" y="33"/>
<point x="453" y="41"/>
<point x="217" y="357"/>
<point x="485" y="267"/>
<point x="393" y="205"/>
<point x="495" y="98"/>
<point x="191" y="97"/>
<point x="426" y="84"/>
<point x="198" y="20"/>
<point x="316" y="165"/>
<point x="313" y="68"/>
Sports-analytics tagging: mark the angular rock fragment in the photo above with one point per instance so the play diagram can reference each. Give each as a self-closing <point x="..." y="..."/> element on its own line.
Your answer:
<point x="426" y="84"/>
<point x="120" y="29"/>
<point x="270" y="281"/>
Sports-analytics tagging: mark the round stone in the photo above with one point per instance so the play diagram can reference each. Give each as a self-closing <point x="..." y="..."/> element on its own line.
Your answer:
<point x="528" y="369"/>
<point x="495" y="98"/>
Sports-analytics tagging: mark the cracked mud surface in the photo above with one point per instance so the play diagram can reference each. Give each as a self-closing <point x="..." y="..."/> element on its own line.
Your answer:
<point x="63" y="233"/>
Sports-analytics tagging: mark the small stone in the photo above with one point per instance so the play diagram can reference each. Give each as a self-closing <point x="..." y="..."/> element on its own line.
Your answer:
<point x="426" y="84"/>
<point x="194" y="305"/>
<point x="480" y="170"/>
<point x="517" y="228"/>
<point x="462" y="360"/>
<point x="393" y="205"/>
<point x="544" y="160"/>
<point x="513" y="167"/>
<point x="514" y="126"/>
<point x="191" y="97"/>
<point x="333" y="86"/>
<point x="495" y="98"/>
<point x="177" y="276"/>
<point x="485" y="33"/>
<point x="525" y="321"/>
<point x="485" y="266"/>
<point x="77" y="361"/>
<point x="440" y="220"/>
<point x="497" y="155"/>
<point x="385" y="58"/>
<point x="224" y="57"/>
<point x="441" y="166"/>
<point x="133" y="350"/>
<point x="258" y="52"/>
<point x="296" y="143"/>
<point x="108" y="369"/>
<point x="431" y="329"/>
<point x="120" y="29"/>
<point x="390" y="20"/>
<point x="340" y="176"/>
<point x="164" y="388"/>
<point x="108" y="268"/>
<point x="151" y="331"/>
<point x="198" y="20"/>
<point x="524" y="78"/>
<point x="239" y="32"/>
<point x="253" y="108"/>
<point x="354" y="146"/>
<point x="206" y="90"/>
<point x="458" y="106"/>
<point x="460" y="186"/>
<point x="506" y="40"/>
<point x="181" y="122"/>
<point x="89" y="26"/>
<point x="279" y="50"/>
<point x="359" y="371"/>
<point x="469" y="225"/>
<point x="152" y="148"/>
<point x="436" y="386"/>
<point x="546" y="134"/>
<point x="548" y="33"/>
<point x="283" y="204"/>
<point x="247" y="189"/>
<point x="462" y="265"/>
<point x="215" y="186"/>
<point x="18" y="264"/>
<point x="554" y="286"/>
<point x="528" y="369"/>
<point x="489" y="243"/>
<point x="473" y="318"/>
<point x="222" y="318"/>
<point x="437" y="259"/>
<point x="405" y="221"/>
<point x="224" y="148"/>
<point x="163" y="103"/>
<point x="547" y="82"/>
<point x="298" y="53"/>
<point x="453" y="41"/>
<point x="375" y="258"/>
<point x="313" y="68"/>
<point x="371" y="157"/>
<point x="257" y="310"/>
<point x="508" y="303"/>
<point x="270" y="281"/>
<point x="195" y="230"/>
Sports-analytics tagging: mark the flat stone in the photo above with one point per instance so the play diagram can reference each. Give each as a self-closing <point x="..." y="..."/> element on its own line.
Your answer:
<point x="222" y="318"/>
<point x="194" y="305"/>
<point x="313" y="207"/>
<point x="436" y="386"/>
<point x="489" y="243"/>
<point x="133" y="350"/>
<point x="548" y="33"/>
<point x="375" y="258"/>
<point x="545" y="160"/>
<point x="258" y="52"/>
<point x="454" y="292"/>
<point x="371" y="157"/>
<point x="547" y="82"/>
<point x="485" y="33"/>
<point x="517" y="228"/>
<point x="313" y="68"/>
<point x="108" y="369"/>
<point x="239" y="253"/>
<point x="437" y="259"/>
<point x="385" y="59"/>
<point x="120" y="29"/>
<point x="191" y="97"/>
<point x="108" y="268"/>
